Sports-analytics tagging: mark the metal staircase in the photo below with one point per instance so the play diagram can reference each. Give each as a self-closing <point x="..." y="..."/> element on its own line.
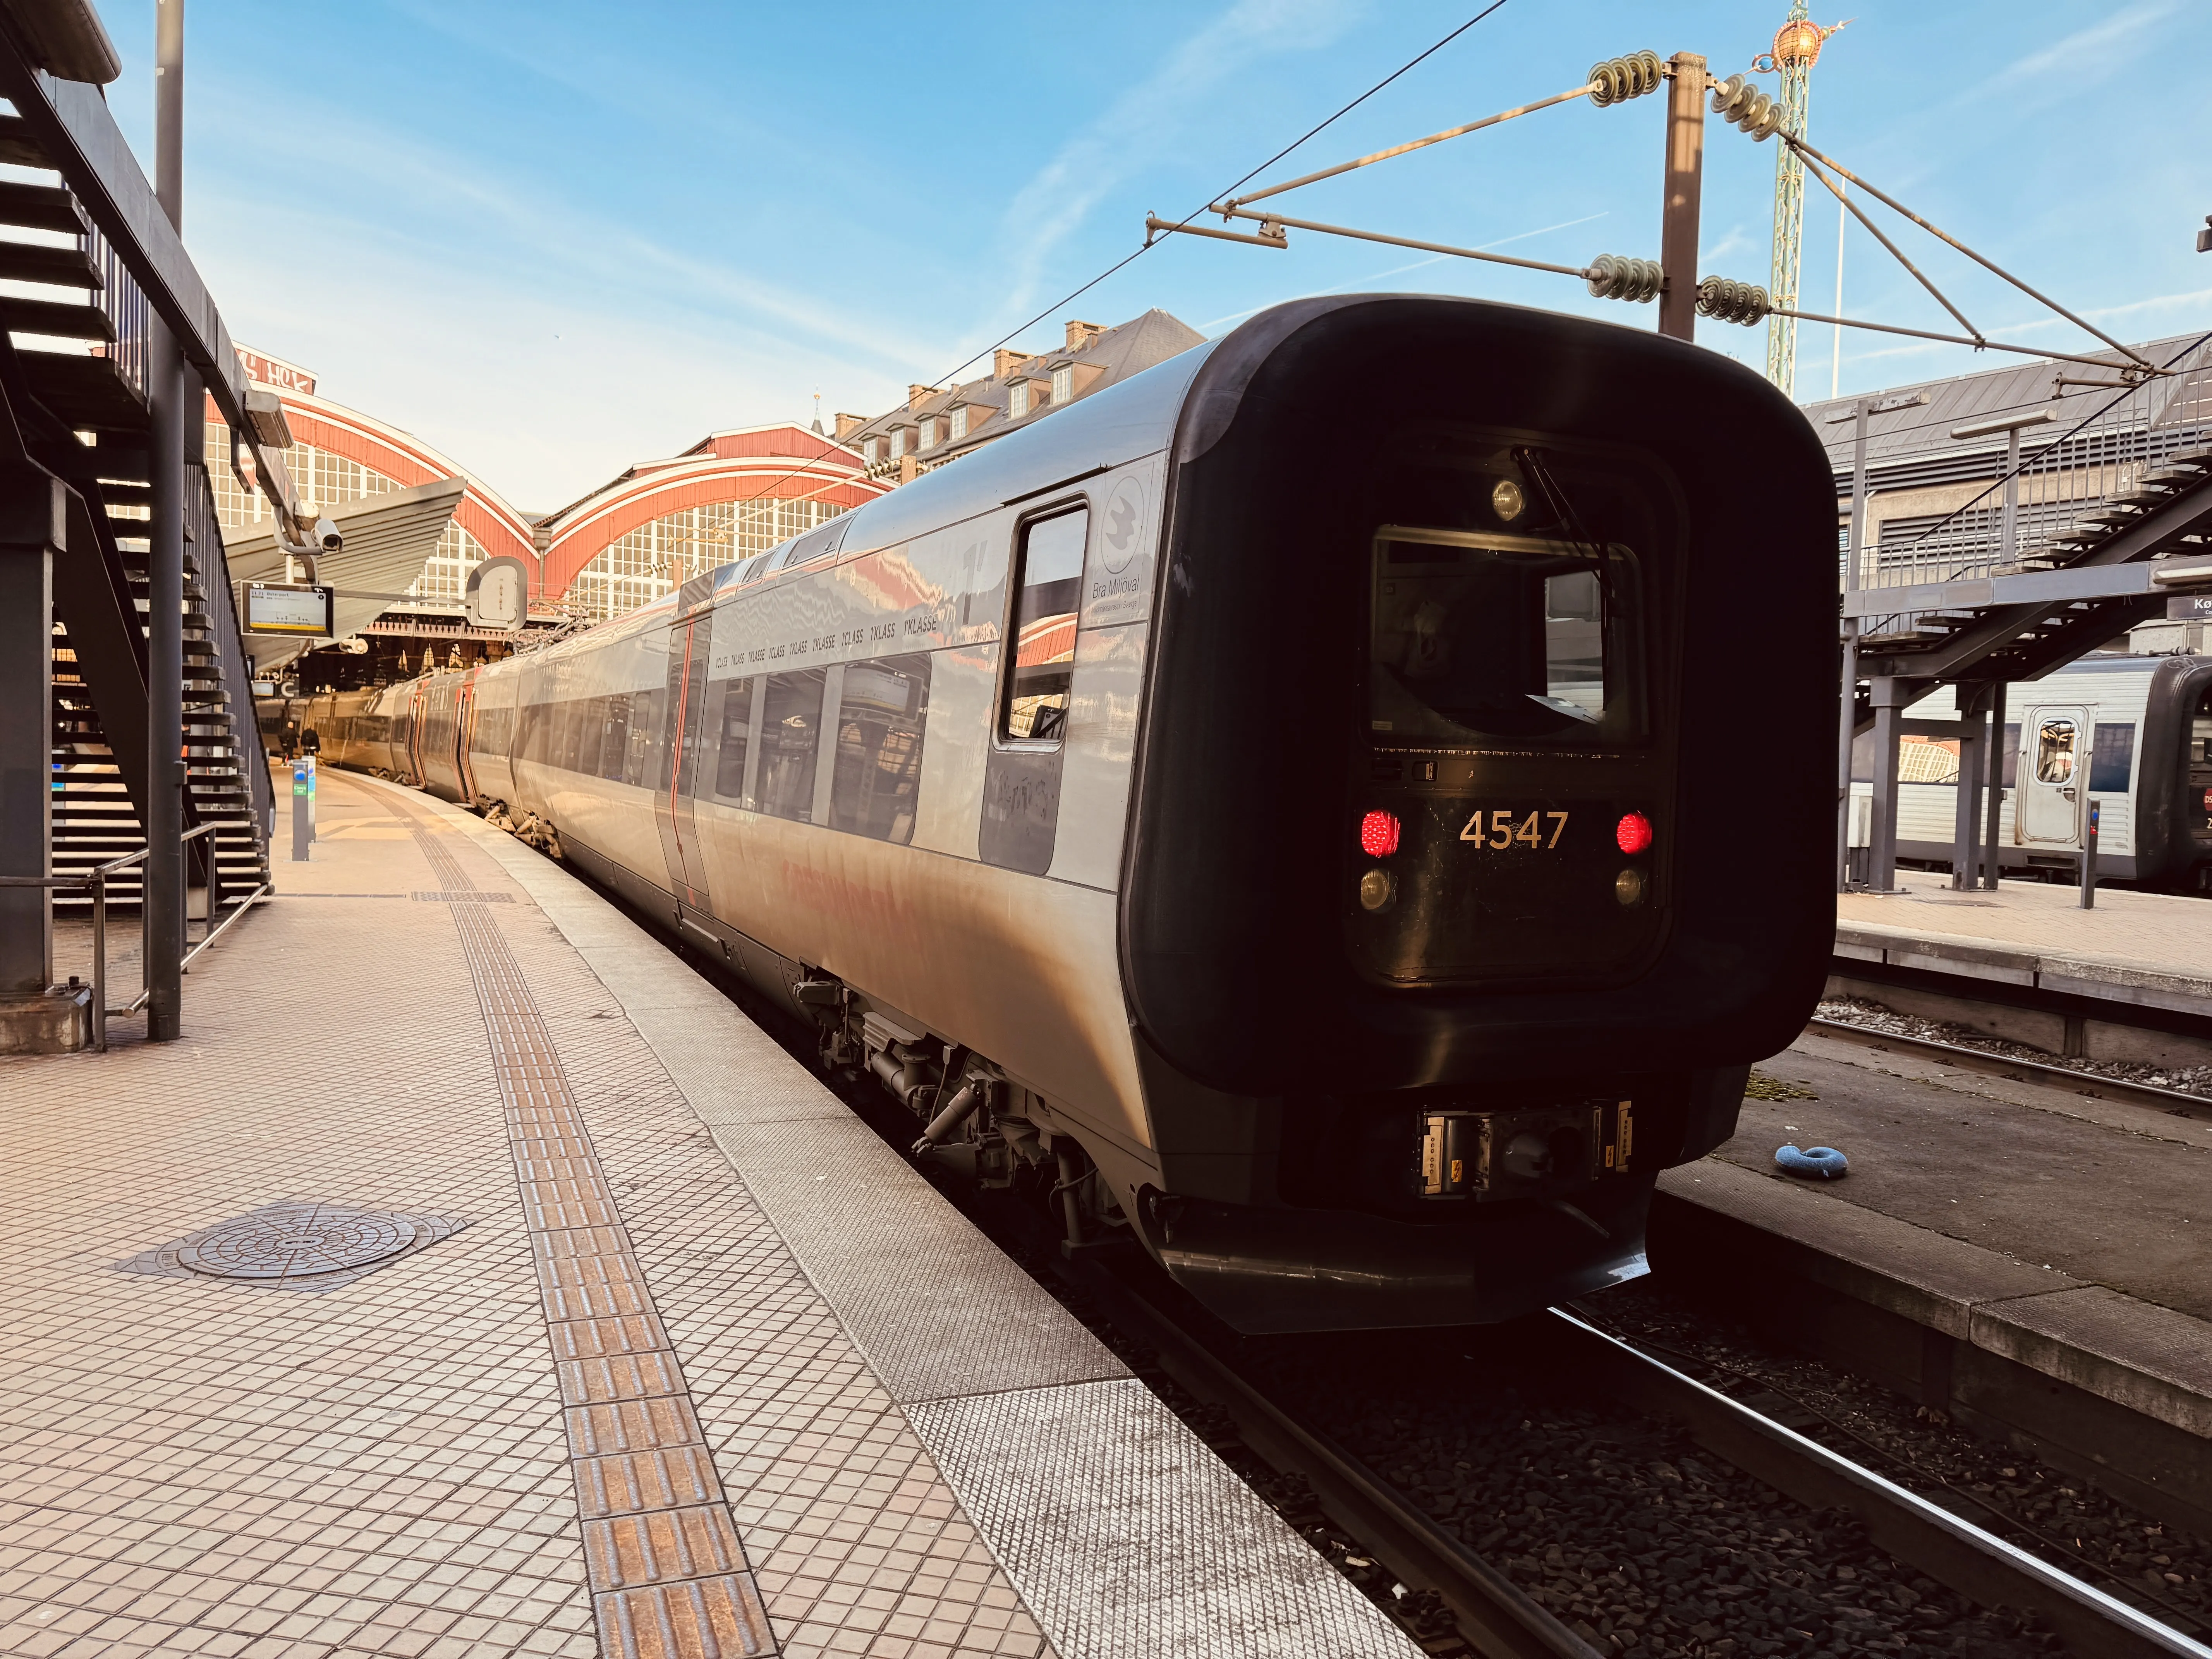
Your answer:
<point x="83" y="415"/>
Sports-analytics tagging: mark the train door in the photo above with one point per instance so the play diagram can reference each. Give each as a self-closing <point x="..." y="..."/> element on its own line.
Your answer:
<point x="419" y="731"/>
<point x="2053" y="775"/>
<point x="683" y="718"/>
<point x="465" y="704"/>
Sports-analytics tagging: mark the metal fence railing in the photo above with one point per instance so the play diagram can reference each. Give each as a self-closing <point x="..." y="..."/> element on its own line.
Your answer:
<point x="95" y="880"/>
<point x="2031" y="514"/>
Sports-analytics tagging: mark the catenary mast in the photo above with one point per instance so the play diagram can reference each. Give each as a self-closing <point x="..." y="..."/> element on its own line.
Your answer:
<point x="1796" y="49"/>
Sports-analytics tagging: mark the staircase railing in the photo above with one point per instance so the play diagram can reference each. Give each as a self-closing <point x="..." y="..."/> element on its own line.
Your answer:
<point x="123" y="303"/>
<point x="2045" y="512"/>
<point x="202" y="524"/>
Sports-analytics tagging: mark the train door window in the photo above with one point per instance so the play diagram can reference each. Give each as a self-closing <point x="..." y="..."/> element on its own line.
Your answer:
<point x="1048" y="592"/>
<point x="791" y="728"/>
<point x="2058" y="742"/>
<point x="880" y="716"/>
<point x="2011" y="778"/>
<point x="737" y="734"/>
<point x="2112" y="757"/>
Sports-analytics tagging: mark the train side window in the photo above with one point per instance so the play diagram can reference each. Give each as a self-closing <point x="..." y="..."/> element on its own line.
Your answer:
<point x="880" y="716"/>
<point x="736" y="731"/>
<point x="790" y="730"/>
<point x="641" y="765"/>
<point x="2058" y="742"/>
<point x="614" y="745"/>
<point x="2112" y="757"/>
<point x="1048" y="593"/>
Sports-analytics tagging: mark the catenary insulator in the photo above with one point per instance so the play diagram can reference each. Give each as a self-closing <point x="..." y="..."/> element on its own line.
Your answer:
<point x="1726" y="300"/>
<point x="1738" y="102"/>
<point x="1616" y="276"/>
<point x="1617" y="80"/>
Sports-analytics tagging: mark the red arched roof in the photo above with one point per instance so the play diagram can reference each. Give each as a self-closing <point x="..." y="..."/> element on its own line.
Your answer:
<point x="407" y="461"/>
<point x="779" y="462"/>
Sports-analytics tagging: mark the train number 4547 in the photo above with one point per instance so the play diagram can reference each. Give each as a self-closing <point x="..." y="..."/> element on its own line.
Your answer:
<point x="1505" y="828"/>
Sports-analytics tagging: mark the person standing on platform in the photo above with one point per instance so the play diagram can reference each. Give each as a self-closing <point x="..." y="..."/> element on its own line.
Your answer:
<point x="311" y="741"/>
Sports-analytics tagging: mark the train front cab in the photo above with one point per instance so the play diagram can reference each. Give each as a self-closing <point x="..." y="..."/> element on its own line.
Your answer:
<point x="1436" y="935"/>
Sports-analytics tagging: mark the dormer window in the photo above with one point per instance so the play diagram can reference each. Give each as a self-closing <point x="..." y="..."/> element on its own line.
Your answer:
<point x="1063" y="383"/>
<point x="898" y="441"/>
<point x="1018" y="400"/>
<point x="959" y="422"/>
<point x="926" y="434"/>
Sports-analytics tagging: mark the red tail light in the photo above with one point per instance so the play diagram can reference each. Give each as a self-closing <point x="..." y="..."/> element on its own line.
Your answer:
<point x="1378" y="834"/>
<point x="1633" y="833"/>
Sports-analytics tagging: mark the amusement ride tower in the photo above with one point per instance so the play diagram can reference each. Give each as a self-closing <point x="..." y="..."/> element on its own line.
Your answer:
<point x="1796" y="49"/>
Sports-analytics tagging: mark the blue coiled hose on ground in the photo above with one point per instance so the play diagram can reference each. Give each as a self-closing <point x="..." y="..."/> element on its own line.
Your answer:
<point x="1815" y="1162"/>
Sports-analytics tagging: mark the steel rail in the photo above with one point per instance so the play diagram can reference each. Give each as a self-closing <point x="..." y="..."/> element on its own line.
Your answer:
<point x="1499" y="1616"/>
<point x="1980" y="1060"/>
<point x="1495" y="1614"/>
<point x="1984" y="1568"/>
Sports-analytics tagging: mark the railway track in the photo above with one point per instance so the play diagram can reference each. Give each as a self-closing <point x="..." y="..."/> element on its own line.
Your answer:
<point x="1495" y="1614"/>
<point x="2089" y="1084"/>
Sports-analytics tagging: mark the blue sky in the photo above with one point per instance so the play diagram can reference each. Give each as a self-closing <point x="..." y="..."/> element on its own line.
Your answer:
<point x="556" y="238"/>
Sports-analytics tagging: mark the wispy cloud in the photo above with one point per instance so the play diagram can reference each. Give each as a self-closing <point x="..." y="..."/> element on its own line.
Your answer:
<point x="1144" y="123"/>
<point x="2087" y="53"/>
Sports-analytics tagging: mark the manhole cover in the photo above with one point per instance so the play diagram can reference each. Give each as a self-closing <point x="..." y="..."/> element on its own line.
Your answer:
<point x="292" y="1241"/>
<point x="297" y="1246"/>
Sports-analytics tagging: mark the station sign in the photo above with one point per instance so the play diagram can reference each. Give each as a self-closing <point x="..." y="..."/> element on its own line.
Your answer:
<point x="2190" y="607"/>
<point x="305" y="610"/>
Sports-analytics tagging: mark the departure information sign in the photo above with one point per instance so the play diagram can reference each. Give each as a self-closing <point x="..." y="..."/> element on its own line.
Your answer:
<point x="290" y="608"/>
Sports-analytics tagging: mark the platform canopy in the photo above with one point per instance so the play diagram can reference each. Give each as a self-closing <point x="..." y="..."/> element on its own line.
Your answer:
<point x="387" y="538"/>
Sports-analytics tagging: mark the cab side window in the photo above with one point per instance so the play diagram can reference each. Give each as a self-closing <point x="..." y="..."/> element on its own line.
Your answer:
<point x="1047" y="594"/>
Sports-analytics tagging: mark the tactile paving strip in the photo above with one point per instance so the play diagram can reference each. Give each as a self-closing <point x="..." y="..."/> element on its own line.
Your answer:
<point x="668" y="1575"/>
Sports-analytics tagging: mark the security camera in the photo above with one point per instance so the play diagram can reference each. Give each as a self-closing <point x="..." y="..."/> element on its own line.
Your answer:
<point x="327" y="536"/>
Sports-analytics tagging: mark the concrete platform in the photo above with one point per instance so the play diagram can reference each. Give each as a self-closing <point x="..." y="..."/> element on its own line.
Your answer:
<point x="2036" y="1262"/>
<point x="2030" y="947"/>
<point x="669" y="1356"/>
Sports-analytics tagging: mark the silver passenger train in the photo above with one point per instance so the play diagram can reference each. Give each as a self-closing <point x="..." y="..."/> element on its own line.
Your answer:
<point x="1283" y="807"/>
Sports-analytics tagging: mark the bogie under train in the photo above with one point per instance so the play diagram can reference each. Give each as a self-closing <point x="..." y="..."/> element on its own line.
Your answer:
<point x="1286" y="805"/>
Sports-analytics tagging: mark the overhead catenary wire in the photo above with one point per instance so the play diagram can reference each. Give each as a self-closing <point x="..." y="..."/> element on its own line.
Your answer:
<point x="1395" y="151"/>
<point x="1073" y="295"/>
<point x="1895" y="252"/>
<point x="1806" y="151"/>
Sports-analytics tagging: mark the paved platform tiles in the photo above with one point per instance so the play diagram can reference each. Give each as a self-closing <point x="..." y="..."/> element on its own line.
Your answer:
<point x="2070" y="1235"/>
<point x="647" y="1380"/>
<point x="2154" y="948"/>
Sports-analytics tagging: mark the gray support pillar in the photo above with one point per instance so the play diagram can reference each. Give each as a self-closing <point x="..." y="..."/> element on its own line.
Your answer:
<point x="1889" y="700"/>
<point x="164" y="910"/>
<point x="32" y="508"/>
<point x="1992" y="870"/>
<point x="1967" y="826"/>
<point x="174" y="426"/>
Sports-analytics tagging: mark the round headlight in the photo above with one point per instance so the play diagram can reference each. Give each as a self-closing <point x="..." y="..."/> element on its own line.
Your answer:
<point x="1506" y="500"/>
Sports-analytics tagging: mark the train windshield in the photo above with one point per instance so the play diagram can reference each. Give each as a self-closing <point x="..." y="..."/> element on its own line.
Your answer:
<point x="1474" y="634"/>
